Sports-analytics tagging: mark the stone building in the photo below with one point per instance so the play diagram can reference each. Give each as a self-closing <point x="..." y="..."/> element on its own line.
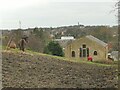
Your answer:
<point x="87" y="46"/>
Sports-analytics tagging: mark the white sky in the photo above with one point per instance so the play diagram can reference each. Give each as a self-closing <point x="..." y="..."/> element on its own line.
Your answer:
<point x="49" y="13"/>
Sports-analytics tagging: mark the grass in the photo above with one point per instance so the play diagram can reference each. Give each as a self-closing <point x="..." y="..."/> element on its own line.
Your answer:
<point x="61" y="58"/>
<point x="2" y="47"/>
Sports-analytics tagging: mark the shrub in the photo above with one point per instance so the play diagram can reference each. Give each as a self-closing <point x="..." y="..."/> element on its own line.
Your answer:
<point x="53" y="48"/>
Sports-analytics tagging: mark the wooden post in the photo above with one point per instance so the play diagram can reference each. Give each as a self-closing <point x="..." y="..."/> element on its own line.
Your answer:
<point x="9" y="42"/>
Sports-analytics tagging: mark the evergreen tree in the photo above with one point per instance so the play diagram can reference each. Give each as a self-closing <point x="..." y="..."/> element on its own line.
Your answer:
<point x="53" y="48"/>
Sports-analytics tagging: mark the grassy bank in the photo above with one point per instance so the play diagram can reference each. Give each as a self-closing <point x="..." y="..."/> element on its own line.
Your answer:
<point x="61" y="58"/>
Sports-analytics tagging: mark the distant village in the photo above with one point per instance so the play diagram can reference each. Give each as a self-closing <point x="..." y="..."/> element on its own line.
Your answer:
<point x="77" y="41"/>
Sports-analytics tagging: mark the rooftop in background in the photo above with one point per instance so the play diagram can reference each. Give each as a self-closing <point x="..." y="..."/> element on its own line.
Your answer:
<point x="67" y="37"/>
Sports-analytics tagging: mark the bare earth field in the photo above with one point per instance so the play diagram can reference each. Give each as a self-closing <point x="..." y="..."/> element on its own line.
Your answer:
<point x="39" y="71"/>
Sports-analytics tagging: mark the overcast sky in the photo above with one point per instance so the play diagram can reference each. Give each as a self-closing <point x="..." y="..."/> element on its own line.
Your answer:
<point x="52" y="13"/>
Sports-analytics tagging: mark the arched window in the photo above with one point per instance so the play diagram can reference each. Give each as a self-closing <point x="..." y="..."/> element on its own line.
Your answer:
<point x="73" y="53"/>
<point x="95" y="52"/>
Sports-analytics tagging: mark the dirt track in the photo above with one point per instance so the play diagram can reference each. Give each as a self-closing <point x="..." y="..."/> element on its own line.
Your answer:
<point x="24" y="70"/>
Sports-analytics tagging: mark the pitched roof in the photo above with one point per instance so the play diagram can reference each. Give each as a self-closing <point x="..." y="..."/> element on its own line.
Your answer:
<point x="96" y="40"/>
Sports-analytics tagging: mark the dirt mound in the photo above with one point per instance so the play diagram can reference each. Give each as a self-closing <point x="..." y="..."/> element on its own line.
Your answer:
<point x="37" y="71"/>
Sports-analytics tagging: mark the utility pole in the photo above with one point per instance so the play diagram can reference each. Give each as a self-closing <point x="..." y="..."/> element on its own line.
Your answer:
<point x="19" y="24"/>
<point x="78" y="24"/>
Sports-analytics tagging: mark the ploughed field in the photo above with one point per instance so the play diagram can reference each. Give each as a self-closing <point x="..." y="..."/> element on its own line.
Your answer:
<point x="39" y="71"/>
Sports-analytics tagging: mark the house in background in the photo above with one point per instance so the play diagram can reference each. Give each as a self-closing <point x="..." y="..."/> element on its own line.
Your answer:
<point x="114" y="55"/>
<point x="64" y="40"/>
<point x="67" y="38"/>
<point x="87" y="46"/>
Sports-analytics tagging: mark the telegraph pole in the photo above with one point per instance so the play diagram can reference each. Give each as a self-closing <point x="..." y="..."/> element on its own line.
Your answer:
<point x="19" y="24"/>
<point x="78" y="24"/>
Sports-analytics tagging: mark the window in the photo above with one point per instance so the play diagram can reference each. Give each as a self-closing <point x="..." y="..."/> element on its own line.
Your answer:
<point x="73" y="53"/>
<point x="84" y="52"/>
<point x="95" y="52"/>
<point x="84" y="46"/>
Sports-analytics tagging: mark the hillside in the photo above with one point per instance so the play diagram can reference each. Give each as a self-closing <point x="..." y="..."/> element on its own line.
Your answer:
<point x="38" y="70"/>
<point x="44" y="35"/>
